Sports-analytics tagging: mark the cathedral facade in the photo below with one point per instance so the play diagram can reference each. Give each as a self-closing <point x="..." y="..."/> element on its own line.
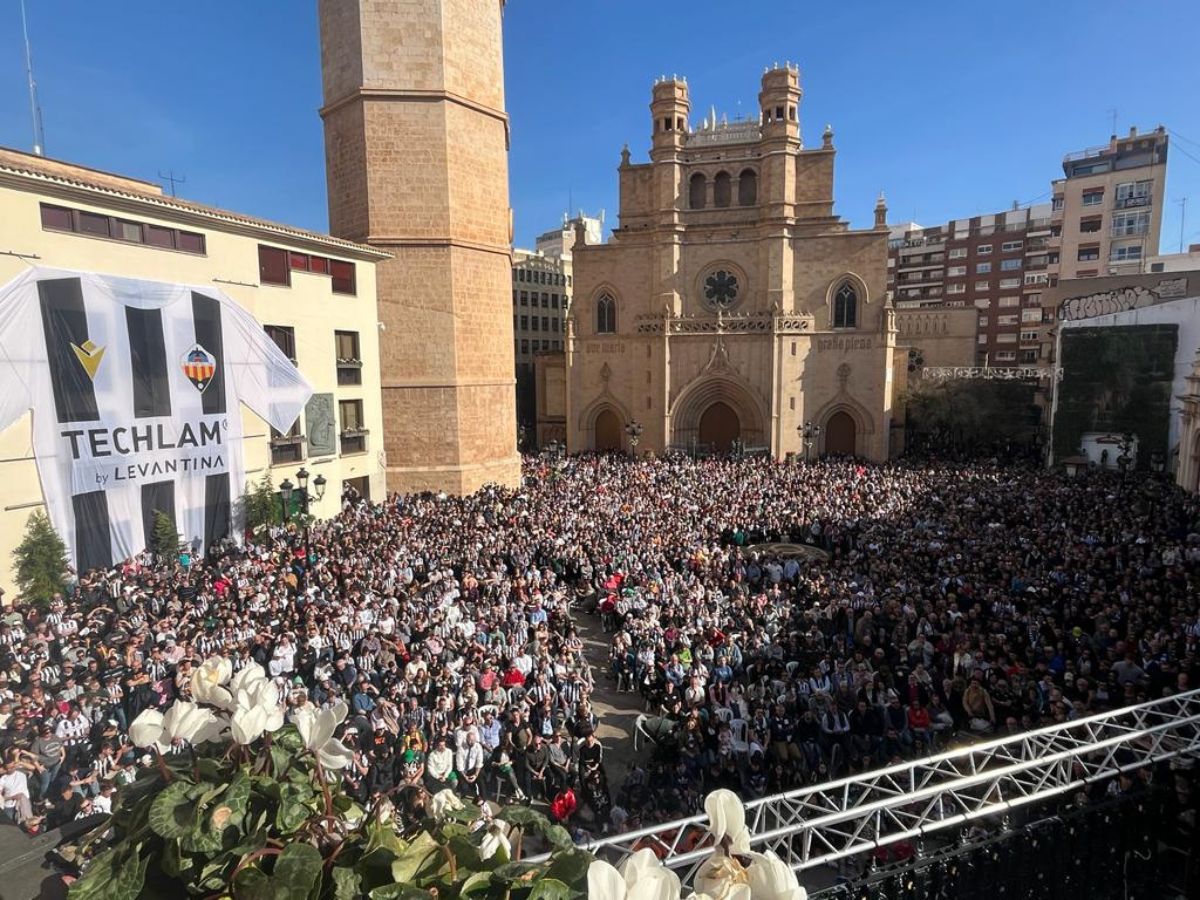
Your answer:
<point x="731" y="307"/>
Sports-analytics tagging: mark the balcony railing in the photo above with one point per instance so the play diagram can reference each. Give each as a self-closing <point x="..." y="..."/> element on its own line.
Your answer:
<point x="1130" y="230"/>
<point x="1131" y="202"/>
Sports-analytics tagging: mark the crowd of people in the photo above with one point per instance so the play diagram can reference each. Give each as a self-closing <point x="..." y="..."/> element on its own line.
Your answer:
<point x="962" y="599"/>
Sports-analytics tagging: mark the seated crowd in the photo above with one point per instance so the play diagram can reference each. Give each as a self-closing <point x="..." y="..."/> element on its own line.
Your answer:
<point x="956" y="599"/>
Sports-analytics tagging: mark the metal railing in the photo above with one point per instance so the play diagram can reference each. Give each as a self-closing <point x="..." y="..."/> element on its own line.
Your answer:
<point x="817" y="825"/>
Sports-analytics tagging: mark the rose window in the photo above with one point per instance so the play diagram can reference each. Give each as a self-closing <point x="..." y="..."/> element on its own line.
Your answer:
<point x="721" y="289"/>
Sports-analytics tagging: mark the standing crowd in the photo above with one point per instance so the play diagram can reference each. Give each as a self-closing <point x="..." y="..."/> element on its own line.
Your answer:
<point x="954" y="600"/>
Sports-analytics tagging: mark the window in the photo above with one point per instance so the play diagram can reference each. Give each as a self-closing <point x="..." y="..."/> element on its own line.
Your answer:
<point x="1037" y="278"/>
<point x="273" y="266"/>
<point x="343" y="277"/>
<point x="1126" y="254"/>
<point x="349" y="359"/>
<point x="722" y="189"/>
<point x="1126" y="224"/>
<point x="956" y="289"/>
<point x="545" y="301"/>
<point x="525" y="347"/>
<point x="1008" y="337"/>
<point x="1006" y="355"/>
<point x="1028" y="336"/>
<point x="1091" y="224"/>
<point x="1031" y="315"/>
<point x="1011" y="246"/>
<point x="983" y="249"/>
<point x="1093" y="197"/>
<point x="1086" y="254"/>
<point x="545" y="323"/>
<point x="956" y="271"/>
<point x="982" y="303"/>
<point x="354" y="434"/>
<point x="545" y="343"/>
<point x="298" y="262"/>
<point x="697" y="191"/>
<point x="284" y="338"/>
<point x="554" y="324"/>
<point x="845" y="307"/>
<point x="1010" y="319"/>
<point x="982" y="339"/>
<point x="1009" y="283"/>
<point x="982" y="286"/>
<point x="958" y="253"/>
<point x="1008" y="301"/>
<point x="983" y="268"/>
<point x="1029" y="356"/>
<point x="524" y="298"/>
<point x="983" y="321"/>
<point x="289" y="447"/>
<point x="606" y="315"/>
<point x="524" y="323"/>
<point x="554" y="301"/>
<point x="57" y="217"/>
<point x="1133" y="193"/>
<point x="1010" y="265"/>
<point x="747" y="188"/>
<point x="533" y="323"/>
<point x="92" y="224"/>
<point x="1058" y="203"/>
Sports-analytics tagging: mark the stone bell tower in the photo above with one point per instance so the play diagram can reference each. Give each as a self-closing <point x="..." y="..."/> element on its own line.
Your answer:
<point x="416" y="148"/>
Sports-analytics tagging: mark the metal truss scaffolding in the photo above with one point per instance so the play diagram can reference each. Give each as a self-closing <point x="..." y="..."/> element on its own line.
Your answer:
<point x="817" y="825"/>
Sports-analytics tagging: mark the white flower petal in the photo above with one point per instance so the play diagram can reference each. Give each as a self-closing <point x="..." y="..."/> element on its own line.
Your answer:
<point x="335" y="755"/>
<point x="146" y="729"/>
<point x="604" y="882"/>
<point x="726" y="815"/>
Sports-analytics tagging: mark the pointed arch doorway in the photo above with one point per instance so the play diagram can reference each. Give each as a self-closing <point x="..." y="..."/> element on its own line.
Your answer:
<point x="607" y="432"/>
<point x="719" y="427"/>
<point x="841" y="434"/>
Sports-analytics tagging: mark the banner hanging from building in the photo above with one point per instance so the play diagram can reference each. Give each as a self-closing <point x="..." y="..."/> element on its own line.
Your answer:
<point x="136" y="389"/>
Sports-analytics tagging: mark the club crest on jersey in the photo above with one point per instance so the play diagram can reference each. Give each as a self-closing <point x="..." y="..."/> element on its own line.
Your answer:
<point x="199" y="367"/>
<point x="89" y="356"/>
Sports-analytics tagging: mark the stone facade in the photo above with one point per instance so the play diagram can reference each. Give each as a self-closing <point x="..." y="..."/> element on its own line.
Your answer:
<point x="416" y="142"/>
<point x="939" y="336"/>
<point x="732" y="304"/>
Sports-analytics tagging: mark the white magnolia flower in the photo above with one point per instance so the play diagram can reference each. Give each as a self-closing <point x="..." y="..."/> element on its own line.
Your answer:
<point x="724" y="878"/>
<point x="727" y="818"/>
<point x="642" y="877"/>
<point x="183" y="721"/>
<point x="773" y="879"/>
<point x="256" y="709"/>
<point x="249" y="675"/>
<point x="209" y="680"/>
<point x="316" y="727"/>
<point x="444" y="802"/>
<point x="494" y="840"/>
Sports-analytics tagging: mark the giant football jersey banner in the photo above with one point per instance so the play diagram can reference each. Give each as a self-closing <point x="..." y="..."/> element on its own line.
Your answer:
<point x="136" y="390"/>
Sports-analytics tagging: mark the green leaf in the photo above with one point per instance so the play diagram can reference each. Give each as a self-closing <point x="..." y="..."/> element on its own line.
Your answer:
<point x="559" y="837"/>
<point x="173" y="814"/>
<point x="420" y="857"/>
<point x="516" y="871"/>
<point x="550" y="889"/>
<point x="113" y="875"/>
<point x="477" y="884"/>
<point x="347" y="884"/>
<point x="570" y="867"/>
<point x="400" y="892"/>
<point x="525" y="817"/>
<point x="297" y="871"/>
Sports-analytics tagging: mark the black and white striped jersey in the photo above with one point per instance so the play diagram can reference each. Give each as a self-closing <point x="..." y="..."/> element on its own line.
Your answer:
<point x="136" y="390"/>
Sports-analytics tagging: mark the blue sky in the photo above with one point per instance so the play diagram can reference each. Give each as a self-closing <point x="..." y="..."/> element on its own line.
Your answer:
<point x="951" y="108"/>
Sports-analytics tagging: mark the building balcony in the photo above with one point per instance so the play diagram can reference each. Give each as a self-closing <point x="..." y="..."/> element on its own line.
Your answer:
<point x="1131" y="202"/>
<point x="1130" y="230"/>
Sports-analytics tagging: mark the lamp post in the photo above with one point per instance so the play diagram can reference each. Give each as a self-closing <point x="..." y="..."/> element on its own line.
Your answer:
<point x="285" y="497"/>
<point x="809" y="434"/>
<point x="521" y="434"/>
<point x="286" y="489"/>
<point x="634" y="431"/>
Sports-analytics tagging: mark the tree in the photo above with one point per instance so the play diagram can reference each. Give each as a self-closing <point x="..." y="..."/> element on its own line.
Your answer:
<point x="164" y="539"/>
<point x="970" y="416"/>
<point x="260" y="505"/>
<point x="41" y="559"/>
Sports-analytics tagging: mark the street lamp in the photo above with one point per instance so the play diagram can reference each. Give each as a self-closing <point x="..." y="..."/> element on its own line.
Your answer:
<point x="302" y="486"/>
<point x="285" y="495"/>
<point x="809" y="433"/>
<point x="634" y="432"/>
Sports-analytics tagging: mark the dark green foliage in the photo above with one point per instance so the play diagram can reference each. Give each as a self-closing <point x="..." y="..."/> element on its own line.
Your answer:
<point x="41" y="560"/>
<point x="260" y="505"/>
<point x="969" y="415"/>
<point x="164" y="540"/>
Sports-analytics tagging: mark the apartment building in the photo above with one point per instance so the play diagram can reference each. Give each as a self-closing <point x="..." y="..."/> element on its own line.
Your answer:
<point x="314" y="294"/>
<point x="996" y="263"/>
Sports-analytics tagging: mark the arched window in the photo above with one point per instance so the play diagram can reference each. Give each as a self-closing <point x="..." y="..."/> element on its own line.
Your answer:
<point x="722" y="191"/>
<point x="697" y="188"/>
<point x="845" y="307"/>
<point x="606" y="315"/>
<point x="747" y="188"/>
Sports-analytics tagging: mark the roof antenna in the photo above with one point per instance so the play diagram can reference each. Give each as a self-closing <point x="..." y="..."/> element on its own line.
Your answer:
<point x="35" y="108"/>
<point x="173" y="178"/>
